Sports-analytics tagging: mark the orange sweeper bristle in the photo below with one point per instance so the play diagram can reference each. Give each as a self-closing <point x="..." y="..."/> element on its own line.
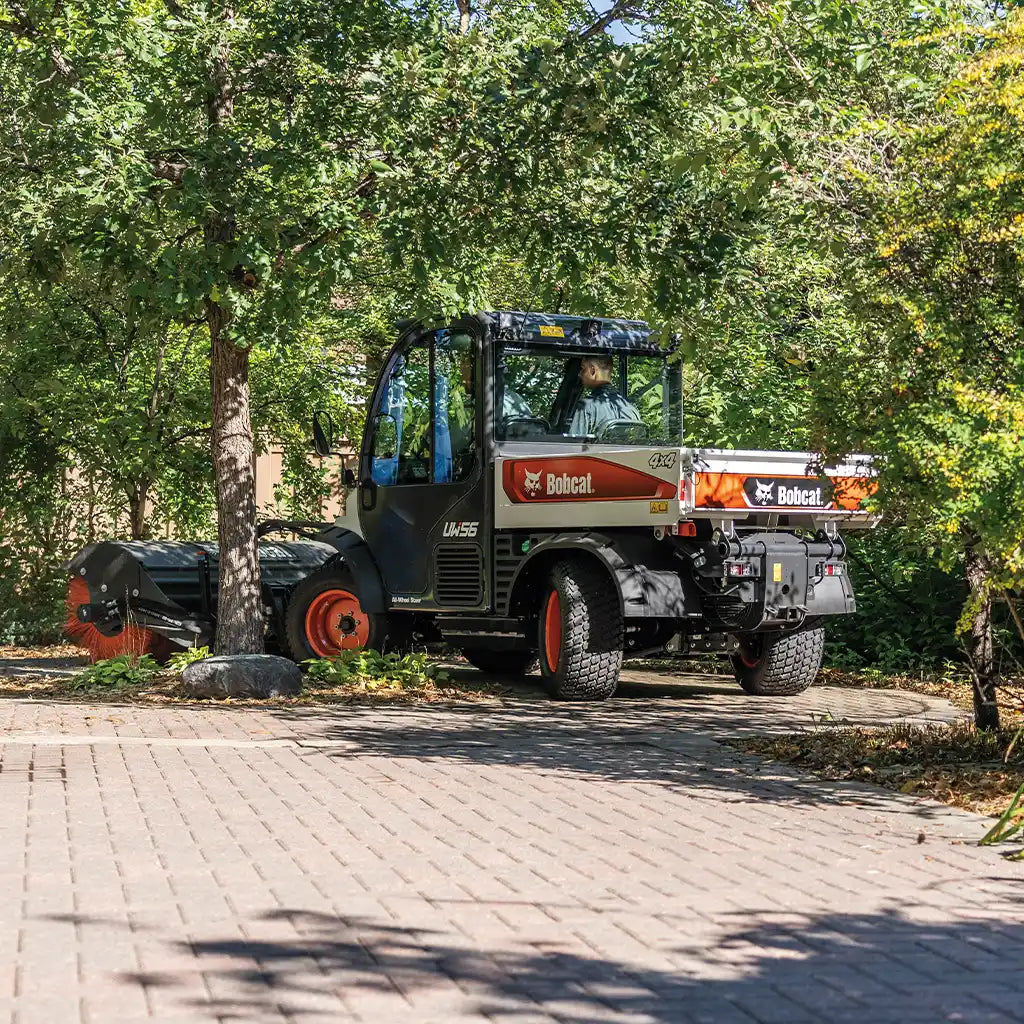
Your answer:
<point x="131" y="640"/>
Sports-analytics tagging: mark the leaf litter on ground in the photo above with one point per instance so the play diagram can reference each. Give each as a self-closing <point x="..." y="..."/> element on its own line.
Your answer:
<point x="365" y="679"/>
<point x="954" y="764"/>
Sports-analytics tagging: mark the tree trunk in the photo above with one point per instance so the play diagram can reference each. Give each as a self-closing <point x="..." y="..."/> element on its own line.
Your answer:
<point x="137" y="499"/>
<point x="239" y="610"/>
<point x="980" y="648"/>
<point x="90" y="509"/>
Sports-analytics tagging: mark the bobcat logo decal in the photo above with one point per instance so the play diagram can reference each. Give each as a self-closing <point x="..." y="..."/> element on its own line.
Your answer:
<point x="782" y="492"/>
<point x="532" y="482"/>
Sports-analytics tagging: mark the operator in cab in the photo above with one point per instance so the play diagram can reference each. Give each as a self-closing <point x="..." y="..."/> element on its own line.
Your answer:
<point x="602" y="404"/>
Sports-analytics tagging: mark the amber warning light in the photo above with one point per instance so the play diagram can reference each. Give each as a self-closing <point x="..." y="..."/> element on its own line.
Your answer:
<point x="683" y="529"/>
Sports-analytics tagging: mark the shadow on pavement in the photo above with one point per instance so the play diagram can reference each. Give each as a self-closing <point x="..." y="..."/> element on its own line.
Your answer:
<point x="18" y="668"/>
<point x="841" y="968"/>
<point x="636" y="682"/>
<point x="638" y="742"/>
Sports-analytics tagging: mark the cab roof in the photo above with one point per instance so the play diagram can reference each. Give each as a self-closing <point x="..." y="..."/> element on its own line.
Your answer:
<point x="559" y="331"/>
<point x="556" y="330"/>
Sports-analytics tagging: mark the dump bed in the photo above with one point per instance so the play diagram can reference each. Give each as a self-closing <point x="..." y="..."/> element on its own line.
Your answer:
<point x="550" y="486"/>
<point x="768" y="488"/>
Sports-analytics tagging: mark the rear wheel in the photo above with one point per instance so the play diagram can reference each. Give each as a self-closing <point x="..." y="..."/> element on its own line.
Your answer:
<point x="500" y="663"/>
<point x="325" y="617"/>
<point x="779" y="664"/>
<point x="580" y="633"/>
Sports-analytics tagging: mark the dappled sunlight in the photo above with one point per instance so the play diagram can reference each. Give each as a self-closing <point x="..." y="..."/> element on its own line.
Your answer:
<point x="890" y="965"/>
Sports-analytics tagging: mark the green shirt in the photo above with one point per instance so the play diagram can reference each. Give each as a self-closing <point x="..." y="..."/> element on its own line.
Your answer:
<point x="603" y="405"/>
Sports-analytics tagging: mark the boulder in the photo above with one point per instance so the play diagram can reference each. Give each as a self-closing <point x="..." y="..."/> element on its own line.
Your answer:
<point x="242" y="675"/>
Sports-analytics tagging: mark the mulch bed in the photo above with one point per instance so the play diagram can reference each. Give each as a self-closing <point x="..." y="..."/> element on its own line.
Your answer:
<point x="53" y="652"/>
<point x="166" y="688"/>
<point x="954" y="764"/>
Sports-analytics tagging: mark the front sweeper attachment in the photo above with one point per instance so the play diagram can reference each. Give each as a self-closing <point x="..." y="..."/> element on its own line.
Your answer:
<point x="152" y="597"/>
<point x="124" y="639"/>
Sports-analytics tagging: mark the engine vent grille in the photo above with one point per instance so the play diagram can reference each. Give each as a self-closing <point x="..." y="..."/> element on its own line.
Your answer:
<point x="507" y="556"/>
<point x="458" y="574"/>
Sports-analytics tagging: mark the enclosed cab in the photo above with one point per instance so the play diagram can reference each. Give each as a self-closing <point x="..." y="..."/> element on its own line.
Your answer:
<point x="523" y="493"/>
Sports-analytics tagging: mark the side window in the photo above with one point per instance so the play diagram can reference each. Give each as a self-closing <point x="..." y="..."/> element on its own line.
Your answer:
<point x="405" y="448"/>
<point x="454" y="406"/>
<point x="653" y="390"/>
<point x="402" y="446"/>
<point x="414" y="442"/>
<point x="529" y="388"/>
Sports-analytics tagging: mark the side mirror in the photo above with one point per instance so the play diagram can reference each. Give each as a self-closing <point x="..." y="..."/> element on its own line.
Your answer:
<point x="323" y="433"/>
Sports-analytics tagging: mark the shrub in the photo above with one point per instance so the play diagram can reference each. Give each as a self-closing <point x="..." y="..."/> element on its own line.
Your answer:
<point x="181" y="661"/>
<point x="907" y="608"/>
<point x="373" y="670"/>
<point x="120" y="673"/>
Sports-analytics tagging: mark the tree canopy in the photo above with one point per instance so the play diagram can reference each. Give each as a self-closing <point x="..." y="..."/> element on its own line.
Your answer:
<point x="820" y="196"/>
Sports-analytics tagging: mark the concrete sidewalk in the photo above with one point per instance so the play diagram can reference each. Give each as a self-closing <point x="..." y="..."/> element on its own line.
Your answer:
<point x="523" y="862"/>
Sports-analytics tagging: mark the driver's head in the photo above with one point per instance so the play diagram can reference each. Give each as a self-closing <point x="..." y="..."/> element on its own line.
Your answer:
<point x="595" y="371"/>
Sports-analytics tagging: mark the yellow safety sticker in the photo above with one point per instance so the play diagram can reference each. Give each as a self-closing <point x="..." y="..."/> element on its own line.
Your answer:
<point x="551" y="331"/>
<point x="658" y="507"/>
<point x="776" y="572"/>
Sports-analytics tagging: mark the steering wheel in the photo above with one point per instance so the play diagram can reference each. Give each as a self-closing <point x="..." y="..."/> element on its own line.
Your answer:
<point x="529" y="426"/>
<point x="632" y="430"/>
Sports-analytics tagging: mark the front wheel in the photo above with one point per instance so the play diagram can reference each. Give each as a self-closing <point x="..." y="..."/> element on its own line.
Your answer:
<point x="779" y="664"/>
<point x="324" y="617"/>
<point x="580" y="633"/>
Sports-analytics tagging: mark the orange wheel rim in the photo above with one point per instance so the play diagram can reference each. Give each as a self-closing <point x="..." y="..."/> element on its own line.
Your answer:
<point x="553" y="631"/>
<point x="336" y="622"/>
<point x="750" y="657"/>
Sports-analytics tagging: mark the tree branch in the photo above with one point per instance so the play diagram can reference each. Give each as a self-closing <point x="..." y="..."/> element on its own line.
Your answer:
<point x="465" y="9"/>
<point x="169" y="170"/>
<point x="185" y="434"/>
<point x="22" y="25"/>
<point x="1015" y="614"/>
<point x="24" y="165"/>
<point x="618" y="10"/>
<point x="324" y="236"/>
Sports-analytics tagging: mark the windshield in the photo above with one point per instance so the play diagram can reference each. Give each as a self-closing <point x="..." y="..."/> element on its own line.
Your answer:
<point x="547" y="394"/>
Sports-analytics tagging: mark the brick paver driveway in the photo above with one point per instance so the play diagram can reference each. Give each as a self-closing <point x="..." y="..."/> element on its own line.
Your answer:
<point x="528" y="862"/>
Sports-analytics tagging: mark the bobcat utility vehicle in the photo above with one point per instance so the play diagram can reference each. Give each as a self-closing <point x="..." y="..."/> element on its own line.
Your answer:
<point x="475" y="516"/>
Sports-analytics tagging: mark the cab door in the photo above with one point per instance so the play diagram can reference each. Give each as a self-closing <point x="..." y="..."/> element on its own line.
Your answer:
<point x="421" y="492"/>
